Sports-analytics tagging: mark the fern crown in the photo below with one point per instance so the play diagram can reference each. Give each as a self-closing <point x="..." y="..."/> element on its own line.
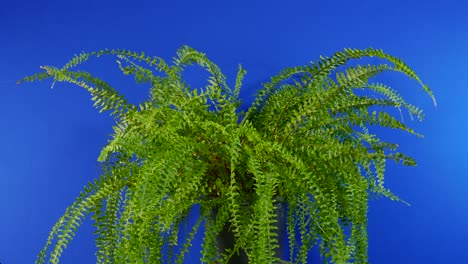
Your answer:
<point x="305" y="139"/>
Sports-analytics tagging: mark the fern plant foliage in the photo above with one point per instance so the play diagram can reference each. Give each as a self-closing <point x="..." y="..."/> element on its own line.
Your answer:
<point x="305" y="138"/>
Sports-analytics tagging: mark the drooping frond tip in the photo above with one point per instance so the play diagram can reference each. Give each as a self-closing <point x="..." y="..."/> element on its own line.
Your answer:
<point x="429" y="91"/>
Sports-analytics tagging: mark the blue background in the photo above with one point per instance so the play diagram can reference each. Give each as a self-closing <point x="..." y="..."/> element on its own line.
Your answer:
<point x="50" y="139"/>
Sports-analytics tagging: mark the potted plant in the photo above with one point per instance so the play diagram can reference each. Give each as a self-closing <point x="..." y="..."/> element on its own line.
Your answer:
<point x="304" y="141"/>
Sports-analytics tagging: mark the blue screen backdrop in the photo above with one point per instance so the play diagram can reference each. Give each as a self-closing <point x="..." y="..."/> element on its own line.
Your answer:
<point x="50" y="138"/>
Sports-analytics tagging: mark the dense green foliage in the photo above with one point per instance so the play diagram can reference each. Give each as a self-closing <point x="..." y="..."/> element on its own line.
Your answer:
<point x="305" y="138"/>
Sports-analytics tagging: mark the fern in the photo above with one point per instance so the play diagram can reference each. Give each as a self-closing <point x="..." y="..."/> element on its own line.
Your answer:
<point x="304" y="140"/>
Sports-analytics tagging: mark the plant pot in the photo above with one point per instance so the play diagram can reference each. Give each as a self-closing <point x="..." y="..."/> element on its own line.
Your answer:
<point x="226" y="237"/>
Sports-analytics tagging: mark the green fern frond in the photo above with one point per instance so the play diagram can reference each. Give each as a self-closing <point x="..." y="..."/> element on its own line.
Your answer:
<point x="66" y="227"/>
<point x="36" y="77"/>
<point x="240" y="77"/>
<point x="399" y="65"/>
<point x="104" y="96"/>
